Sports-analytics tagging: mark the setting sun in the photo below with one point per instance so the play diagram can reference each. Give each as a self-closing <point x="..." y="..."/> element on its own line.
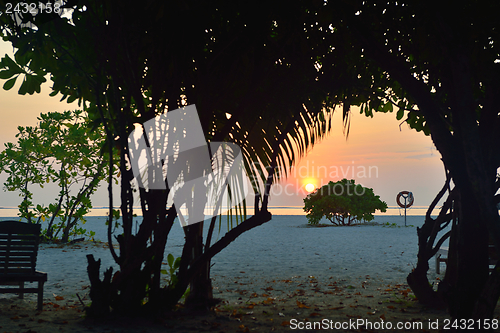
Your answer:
<point x="310" y="187"/>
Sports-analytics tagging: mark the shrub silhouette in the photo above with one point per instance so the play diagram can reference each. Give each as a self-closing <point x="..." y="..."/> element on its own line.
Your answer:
<point x="342" y="203"/>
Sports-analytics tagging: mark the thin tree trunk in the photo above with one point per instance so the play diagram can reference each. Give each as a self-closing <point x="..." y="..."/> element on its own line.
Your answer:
<point x="200" y="295"/>
<point x="173" y="295"/>
<point x="417" y="279"/>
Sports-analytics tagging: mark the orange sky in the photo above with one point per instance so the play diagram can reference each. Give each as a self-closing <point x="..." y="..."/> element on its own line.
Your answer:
<point x="381" y="155"/>
<point x="398" y="160"/>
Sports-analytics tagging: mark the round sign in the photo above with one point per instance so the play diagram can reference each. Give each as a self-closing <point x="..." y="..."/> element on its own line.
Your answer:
<point x="405" y="195"/>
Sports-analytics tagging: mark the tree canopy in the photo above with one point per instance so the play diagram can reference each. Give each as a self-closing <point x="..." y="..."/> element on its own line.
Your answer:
<point x="439" y="67"/>
<point x="60" y="149"/>
<point x="342" y="203"/>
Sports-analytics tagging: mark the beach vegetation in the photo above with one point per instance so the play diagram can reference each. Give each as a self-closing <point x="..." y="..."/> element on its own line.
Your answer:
<point x="253" y="81"/>
<point x="395" y="225"/>
<point x="173" y="267"/>
<point x="343" y="203"/>
<point x="59" y="150"/>
<point x="278" y="72"/>
<point x="433" y="68"/>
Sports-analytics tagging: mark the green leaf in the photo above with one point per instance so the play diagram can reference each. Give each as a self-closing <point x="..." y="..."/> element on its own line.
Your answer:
<point x="10" y="83"/>
<point x="400" y="114"/>
<point x="170" y="259"/>
<point x="177" y="263"/>
<point x="71" y="98"/>
<point x="11" y="65"/>
<point x="6" y="74"/>
<point x="387" y="107"/>
<point x="21" y="58"/>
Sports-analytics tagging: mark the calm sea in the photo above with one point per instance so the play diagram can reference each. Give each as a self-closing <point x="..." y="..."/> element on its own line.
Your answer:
<point x="275" y="210"/>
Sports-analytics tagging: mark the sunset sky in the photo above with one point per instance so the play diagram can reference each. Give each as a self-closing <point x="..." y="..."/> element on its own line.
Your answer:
<point x="381" y="155"/>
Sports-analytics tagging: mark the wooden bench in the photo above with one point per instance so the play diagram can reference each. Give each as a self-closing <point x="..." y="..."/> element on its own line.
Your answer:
<point x="442" y="256"/>
<point x="18" y="251"/>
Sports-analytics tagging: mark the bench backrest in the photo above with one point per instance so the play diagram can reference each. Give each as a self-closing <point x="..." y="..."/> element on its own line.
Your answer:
<point x="18" y="247"/>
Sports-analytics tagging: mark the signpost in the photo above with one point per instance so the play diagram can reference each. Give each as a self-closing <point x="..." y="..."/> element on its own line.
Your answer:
<point x="408" y="200"/>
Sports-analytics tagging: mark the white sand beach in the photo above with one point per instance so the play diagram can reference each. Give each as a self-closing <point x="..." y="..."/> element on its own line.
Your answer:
<point x="269" y="263"/>
<point x="283" y="248"/>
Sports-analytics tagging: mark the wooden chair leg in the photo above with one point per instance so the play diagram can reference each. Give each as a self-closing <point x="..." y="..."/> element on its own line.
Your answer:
<point x="21" y="288"/>
<point x="40" y="296"/>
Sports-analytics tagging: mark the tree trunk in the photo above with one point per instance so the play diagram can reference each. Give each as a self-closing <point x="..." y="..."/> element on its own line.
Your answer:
<point x="489" y="297"/>
<point x="101" y="292"/>
<point x="467" y="269"/>
<point x="172" y="295"/>
<point x="200" y="295"/>
<point x="419" y="284"/>
<point x="427" y="234"/>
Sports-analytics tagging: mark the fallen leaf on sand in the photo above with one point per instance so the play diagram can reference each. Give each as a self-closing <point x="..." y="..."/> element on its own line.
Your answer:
<point x="285" y="323"/>
<point x="242" y="328"/>
<point x="302" y="305"/>
<point x="268" y="301"/>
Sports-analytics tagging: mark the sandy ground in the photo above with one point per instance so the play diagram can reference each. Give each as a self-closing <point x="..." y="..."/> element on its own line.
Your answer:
<point x="283" y="306"/>
<point x="282" y="276"/>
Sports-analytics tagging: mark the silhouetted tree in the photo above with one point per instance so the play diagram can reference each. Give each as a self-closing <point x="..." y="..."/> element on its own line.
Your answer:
<point x="342" y="203"/>
<point x="251" y="74"/>
<point x="438" y="68"/>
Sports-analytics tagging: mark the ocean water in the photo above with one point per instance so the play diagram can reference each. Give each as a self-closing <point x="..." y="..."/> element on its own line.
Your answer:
<point x="275" y="210"/>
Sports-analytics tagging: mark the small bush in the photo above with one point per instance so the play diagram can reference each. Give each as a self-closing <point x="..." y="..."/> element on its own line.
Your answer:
<point x="342" y="203"/>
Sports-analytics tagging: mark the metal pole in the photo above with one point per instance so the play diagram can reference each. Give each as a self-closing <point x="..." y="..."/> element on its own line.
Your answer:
<point x="405" y="209"/>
